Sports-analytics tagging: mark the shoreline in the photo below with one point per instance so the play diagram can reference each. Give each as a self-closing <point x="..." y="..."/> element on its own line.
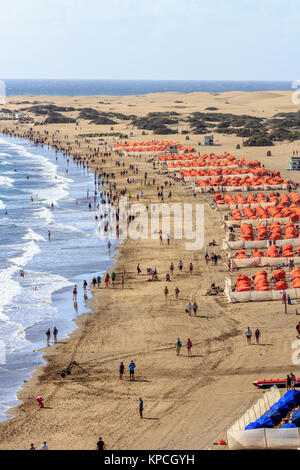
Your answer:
<point x="60" y="300"/>
<point x="189" y="402"/>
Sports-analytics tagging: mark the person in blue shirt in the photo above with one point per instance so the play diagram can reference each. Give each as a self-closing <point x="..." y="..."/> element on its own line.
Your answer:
<point x="131" y="369"/>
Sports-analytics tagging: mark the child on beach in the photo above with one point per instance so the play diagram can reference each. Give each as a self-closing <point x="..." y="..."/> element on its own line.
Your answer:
<point x="106" y="280"/>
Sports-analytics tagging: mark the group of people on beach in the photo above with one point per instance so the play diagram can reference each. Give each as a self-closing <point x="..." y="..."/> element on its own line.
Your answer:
<point x="48" y="335"/>
<point x="248" y="334"/>
<point x="178" y="346"/>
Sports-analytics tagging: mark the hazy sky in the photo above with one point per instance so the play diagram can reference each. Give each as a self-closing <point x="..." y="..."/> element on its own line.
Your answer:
<point x="150" y="39"/>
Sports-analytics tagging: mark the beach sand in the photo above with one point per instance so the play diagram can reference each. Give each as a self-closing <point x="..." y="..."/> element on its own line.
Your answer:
<point x="189" y="402"/>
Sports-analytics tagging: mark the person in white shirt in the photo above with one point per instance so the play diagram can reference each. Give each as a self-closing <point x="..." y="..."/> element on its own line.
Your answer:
<point x="44" y="446"/>
<point x="248" y="335"/>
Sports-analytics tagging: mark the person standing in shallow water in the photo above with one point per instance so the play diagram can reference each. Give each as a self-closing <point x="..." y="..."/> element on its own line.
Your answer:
<point x="48" y="335"/>
<point x="75" y="292"/>
<point x="55" y="333"/>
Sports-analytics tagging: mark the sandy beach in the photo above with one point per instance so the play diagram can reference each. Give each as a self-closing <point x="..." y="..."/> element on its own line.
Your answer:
<point x="189" y="402"/>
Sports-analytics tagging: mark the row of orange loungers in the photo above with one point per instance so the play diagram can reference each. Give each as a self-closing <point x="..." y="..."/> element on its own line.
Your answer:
<point x="284" y="199"/>
<point x="260" y="281"/>
<point x="273" y="232"/>
<point x="271" y="252"/>
<point x="224" y="172"/>
<point x="240" y="182"/>
<point x="154" y="146"/>
<point x="258" y="212"/>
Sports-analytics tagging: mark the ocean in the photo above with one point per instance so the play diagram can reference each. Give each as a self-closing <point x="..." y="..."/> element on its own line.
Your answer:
<point x="31" y="179"/>
<point x="133" y="87"/>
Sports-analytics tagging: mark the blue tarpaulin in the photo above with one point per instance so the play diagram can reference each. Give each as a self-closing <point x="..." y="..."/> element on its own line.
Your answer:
<point x="288" y="425"/>
<point x="279" y="410"/>
<point x="296" y="418"/>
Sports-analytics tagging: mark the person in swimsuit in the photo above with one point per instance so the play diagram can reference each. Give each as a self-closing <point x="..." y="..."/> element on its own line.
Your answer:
<point x="121" y="370"/>
<point x="55" y="333"/>
<point x="166" y="291"/>
<point x="75" y="292"/>
<point x="177" y="291"/>
<point x="48" y="335"/>
<point x="257" y="335"/>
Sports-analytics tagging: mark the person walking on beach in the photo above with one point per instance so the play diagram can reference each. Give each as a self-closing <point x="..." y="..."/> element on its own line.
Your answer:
<point x="98" y="280"/>
<point x="44" y="446"/>
<point x="85" y="284"/>
<point x="189" y="308"/>
<point x="293" y="381"/>
<point x="108" y="245"/>
<point x="131" y="369"/>
<point x="168" y="238"/>
<point x="195" y="308"/>
<point x="180" y="265"/>
<point x="141" y="407"/>
<point x="31" y="447"/>
<point x="288" y="382"/>
<point x="121" y="370"/>
<point x="49" y="234"/>
<point x="257" y="335"/>
<point x="178" y="346"/>
<point x="55" y="333"/>
<point x="138" y="269"/>
<point x="94" y="281"/>
<point x="75" y="292"/>
<point x="113" y="277"/>
<point x="191" y="267"/>
<point x="106" y="280"/>
<point x="189" y="346"/>
<point x="177" y="291"/>
<point x="172" y="267"/>
<point x="166" y="291"/>
<point x="100" y="444"/>
<point x="48" y="335"/>
<point x="248" y="335"/>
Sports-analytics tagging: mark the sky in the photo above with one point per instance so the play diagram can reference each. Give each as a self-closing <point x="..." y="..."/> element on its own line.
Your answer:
<point x="150" y="39"/>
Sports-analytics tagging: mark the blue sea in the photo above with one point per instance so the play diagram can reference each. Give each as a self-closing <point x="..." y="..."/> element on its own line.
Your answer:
<point x="133" y="87"/>
<point x="32" y="178"/>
